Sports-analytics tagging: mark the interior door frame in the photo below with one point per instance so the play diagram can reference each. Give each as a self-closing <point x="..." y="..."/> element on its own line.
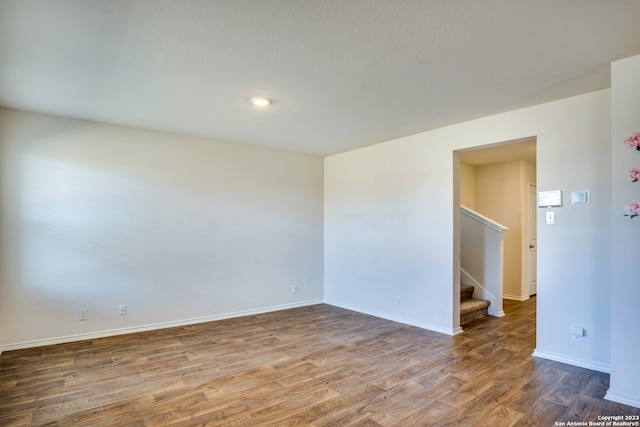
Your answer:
<point x="531" y="222"/>
<point x="455" y="288"/>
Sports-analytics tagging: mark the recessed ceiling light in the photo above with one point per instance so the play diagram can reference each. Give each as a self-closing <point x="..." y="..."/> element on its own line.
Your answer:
<point x="261" y="101"/>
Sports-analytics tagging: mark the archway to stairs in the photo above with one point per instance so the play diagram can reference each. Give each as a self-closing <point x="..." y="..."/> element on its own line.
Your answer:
<point x="498" y="181"/>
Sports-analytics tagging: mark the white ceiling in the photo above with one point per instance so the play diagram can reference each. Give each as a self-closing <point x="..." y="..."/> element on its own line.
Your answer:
<point x="343" y="73"/>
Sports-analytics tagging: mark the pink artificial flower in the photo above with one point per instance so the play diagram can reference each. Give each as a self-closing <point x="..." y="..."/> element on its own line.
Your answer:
<point x="632" y="209"/>
<point x="634" y="174"/>
<point x="633" y="141"/>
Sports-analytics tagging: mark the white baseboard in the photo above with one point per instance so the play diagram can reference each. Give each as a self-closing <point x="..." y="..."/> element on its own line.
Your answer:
<point x="588" y="364"/>
<point x="623" y="398"/>
<point x="152" y="327"/>
<point x="515" y="297"/>
<point x="387" y="316"/>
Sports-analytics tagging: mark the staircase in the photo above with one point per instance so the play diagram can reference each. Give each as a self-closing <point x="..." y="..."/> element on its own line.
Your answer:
<point x="481" y="264"/>
<point x="471" y="308"/>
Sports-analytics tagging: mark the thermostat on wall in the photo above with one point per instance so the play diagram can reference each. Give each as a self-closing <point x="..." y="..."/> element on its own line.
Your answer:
<point x="579" y="197"/>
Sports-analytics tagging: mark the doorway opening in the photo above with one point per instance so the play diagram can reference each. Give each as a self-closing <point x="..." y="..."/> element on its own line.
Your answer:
<point x="498" y="181"/>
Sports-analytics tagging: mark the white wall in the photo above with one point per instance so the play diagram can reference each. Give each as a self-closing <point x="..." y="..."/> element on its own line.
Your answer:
<point x="180" y="229"/>
<point x="625" y="369"/>
<point x="390" y="212"/>
<point x="379" y="203"/>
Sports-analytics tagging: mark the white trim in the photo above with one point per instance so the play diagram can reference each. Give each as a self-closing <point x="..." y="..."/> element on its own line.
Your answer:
<point x="483" y="219"/>
<point x="594" y="366"/>
<point x="515" y="298"/>
<point x="434" y="328"/>
<point x="152" y="327"/>
<point x="625" y="399"/>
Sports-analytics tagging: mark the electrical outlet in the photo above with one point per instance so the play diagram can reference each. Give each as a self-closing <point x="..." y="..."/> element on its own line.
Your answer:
<point x="294" y="289"/>
<point x="83" y="314"/>
<point x="577" y="333"/>
<point x="399" y="299"/>
<point x="122" y="309"/>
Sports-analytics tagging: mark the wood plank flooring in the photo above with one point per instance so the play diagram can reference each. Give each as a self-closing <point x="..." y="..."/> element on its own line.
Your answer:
<point x="310" y="366"/>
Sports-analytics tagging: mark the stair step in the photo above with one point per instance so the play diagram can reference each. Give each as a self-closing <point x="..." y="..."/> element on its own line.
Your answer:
<point x="472" y="309"/>
<point x="466" y="292"/>
<point x="473" y="304"/>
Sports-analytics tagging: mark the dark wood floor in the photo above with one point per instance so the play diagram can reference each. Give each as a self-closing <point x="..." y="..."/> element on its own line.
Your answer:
<point x="314" y="366"/>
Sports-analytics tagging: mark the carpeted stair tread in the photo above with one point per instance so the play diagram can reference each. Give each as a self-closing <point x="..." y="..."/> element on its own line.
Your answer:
<point x="466" y="292"/>
<point x="471" y="308"/>
<point x="473" y="304"/>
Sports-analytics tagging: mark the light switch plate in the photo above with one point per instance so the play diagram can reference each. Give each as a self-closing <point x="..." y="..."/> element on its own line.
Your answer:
<point x="551" y="218"/>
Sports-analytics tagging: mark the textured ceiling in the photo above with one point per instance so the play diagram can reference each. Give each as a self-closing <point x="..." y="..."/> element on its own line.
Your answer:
<point x="343" y="73"/>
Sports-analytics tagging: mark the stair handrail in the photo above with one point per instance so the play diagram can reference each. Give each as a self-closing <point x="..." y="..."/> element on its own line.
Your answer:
<point x="483" y="219"/>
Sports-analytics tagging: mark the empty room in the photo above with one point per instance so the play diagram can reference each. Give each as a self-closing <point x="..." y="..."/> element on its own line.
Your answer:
<point x="273" y="212"/>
